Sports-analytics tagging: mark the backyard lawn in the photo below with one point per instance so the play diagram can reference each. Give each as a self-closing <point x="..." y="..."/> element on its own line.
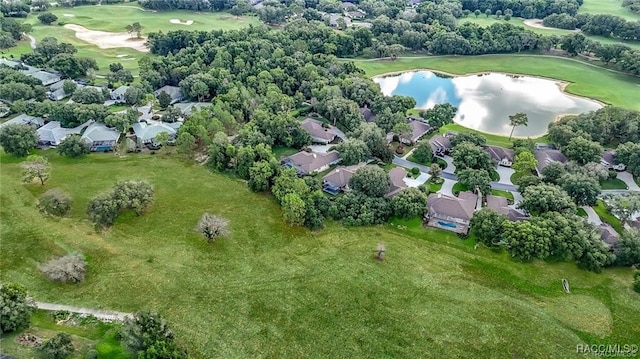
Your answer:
<point x="274" y="291"/>
<point x="584" y="79"/>
<point x="613" y="184"/>
<point x="607" y="217"/>
<point x="612" y="7"/>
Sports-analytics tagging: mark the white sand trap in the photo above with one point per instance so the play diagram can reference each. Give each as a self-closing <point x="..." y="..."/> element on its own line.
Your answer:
<point x="122" y="55"/>
<point x="68" y="15"/>
<point x="177" y="21"/>
<point x="537" y="23"/>
<point x="108" y="40"/>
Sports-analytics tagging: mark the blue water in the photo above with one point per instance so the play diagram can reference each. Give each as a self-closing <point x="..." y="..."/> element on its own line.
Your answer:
<point x="485" y="101"/>
<point x="446" y="224"/>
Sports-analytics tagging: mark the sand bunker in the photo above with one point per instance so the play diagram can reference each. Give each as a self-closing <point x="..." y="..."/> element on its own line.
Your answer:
<point x="537" y="23"/>
<point x="68" y="15"/>
<point x="108" y="40"/>
<point x="177" y="21"/>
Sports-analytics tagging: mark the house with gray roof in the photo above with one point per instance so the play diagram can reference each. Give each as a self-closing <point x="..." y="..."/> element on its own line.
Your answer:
<point x="440" y="145"/>
<point x="355" y="14"/>
<point x="418" y="129"/>
<point x="56" y="91"/>
<point x="51" y="134"/>
<point x="173" y="91"/>
<point x="396" y="175"/>
<point x="367" y="114"/>
<point x="24" y="119"/>
<point x="501" y="205"/>
<point x="609" y="236"/>
<point x="337" y="180"/>
<point x="500" y="155"/>
<point x="608" y="160"/>
<point x="146" y="132"/>
<point x="117" y="95"/>
<point x="319" y="132"/>
<point x="100" y="138"/>
<point x="306" y="163"/>
<point x="46" y="77"/>
<point x="333" y="20"/>
<point x="451" y="213"/>
<point x="547" y="156"/>
<point x="189" y="107"/>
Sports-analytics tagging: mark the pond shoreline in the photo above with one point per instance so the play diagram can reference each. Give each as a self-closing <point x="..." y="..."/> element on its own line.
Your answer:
<point x="562" y="85"/>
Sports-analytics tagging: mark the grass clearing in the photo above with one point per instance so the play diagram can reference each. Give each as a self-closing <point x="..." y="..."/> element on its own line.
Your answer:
<point x="582" y="213"/>
<point x="584" y="79"/>
<point x="612" y="7"/>
<point x="508" y="195"/>
<point x="615" y="183"/>
<point x="85" y="335"/>
<point x="607" y="217"/>
<point x="274" y="291"/>
<point x="484" y="21"/>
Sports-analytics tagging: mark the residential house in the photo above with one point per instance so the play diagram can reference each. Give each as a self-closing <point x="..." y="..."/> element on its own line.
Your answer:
<point x="334" y="20"/>
<point x="348" y="6"/>
<point x="53" y="133"/>
<point x="24" y="119"/>
<point x="608" y="160"/>
<point x="397" y="175"/>
<point x="306" y="163"/>
<point x="173" y="91"/>
<point x="367" y="114"/>
<point x="501" y="156"/>
<point x="451" y="213"/>
<point x="501" y="205"/>
<point x="46" y="77"/>
<point x="546" y="156"/>
<point x="418" y="129"/>
<point x="117" y="95"/>
<point x="100" y="138"/>
<point x="609" y="236"/>
<point x="56" y="91"/>
<point x="440" y="145"/>
<point x="337" y="180"/>
<point x="318" y="132"/>
<point x="146" y="132"/>
<point x="189" y="107"/>
<point x="356" y="14"/>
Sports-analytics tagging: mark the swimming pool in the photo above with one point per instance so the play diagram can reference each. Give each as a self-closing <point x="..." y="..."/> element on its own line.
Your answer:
<point x="447" y="224"/>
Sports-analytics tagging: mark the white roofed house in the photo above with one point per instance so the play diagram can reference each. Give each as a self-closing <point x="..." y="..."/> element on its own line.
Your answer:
<point x="173" y="91"/>
<point x="117" y="95"/>
<point x="147" y="132"/>
<point x="53" y="133"/>
<point x="24" y="119"/>
<point x="100" y="138"/>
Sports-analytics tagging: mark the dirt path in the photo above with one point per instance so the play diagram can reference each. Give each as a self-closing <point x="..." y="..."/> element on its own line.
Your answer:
<point x="32" y="40"/>
<point x="104" y="315"/>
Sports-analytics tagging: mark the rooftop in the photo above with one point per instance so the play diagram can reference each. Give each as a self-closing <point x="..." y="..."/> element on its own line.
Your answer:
<point x="461" y="207"/>
<point x="310" y="162"/>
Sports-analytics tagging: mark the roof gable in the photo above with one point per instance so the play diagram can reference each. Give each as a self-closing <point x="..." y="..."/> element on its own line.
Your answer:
<point x="458" y="207"/>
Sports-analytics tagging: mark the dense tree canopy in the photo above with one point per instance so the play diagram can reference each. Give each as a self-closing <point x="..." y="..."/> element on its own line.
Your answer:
<point x="17" y="139"/>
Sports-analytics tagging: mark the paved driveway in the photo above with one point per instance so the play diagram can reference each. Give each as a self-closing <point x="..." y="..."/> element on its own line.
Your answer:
<point x="592" y="216"/>
<point x="505" y="174"/>
<point x="628" y="179"/>
<point x="447" y="187"/>
<point x="415" y="182"/>
<point x="320" y="148"/>
<point x="451" y="168"/>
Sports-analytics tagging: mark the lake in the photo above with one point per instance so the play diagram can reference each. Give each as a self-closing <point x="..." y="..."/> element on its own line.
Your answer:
<point x="485" y="101"/>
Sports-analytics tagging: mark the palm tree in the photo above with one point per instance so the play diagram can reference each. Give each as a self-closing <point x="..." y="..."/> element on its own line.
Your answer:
<point x="518" y="119"/>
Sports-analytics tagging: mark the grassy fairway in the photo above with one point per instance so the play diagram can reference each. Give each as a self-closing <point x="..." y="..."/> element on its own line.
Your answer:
<point x="613" y="7"/>
<point x="115" y="18"/>
<point x="274" y="291"/>
<point x="484" y="21"/>
<point x="585" y="80"/>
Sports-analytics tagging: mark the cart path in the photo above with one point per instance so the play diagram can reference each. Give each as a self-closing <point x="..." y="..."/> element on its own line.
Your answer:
<point x="105" y="315"/>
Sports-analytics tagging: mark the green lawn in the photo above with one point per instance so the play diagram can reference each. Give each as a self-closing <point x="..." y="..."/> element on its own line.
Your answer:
<point x="115" y="18"/>
<point x="582" y="213"/>
<point x="86" y="334"/>
<point x="484" y="21"/>
<point x="613" y="7"/>
<point x="607" y="217"/>
<point x="613" y="184"/>
<point x="442" y="163"/>
<point x="584" y="79"/>
<point x="508" y="195"/>
<point x="274" y="291"/>
<point x="434" y="187"/>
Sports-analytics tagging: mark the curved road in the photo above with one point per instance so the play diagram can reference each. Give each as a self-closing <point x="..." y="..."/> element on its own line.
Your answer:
<point x="449" y="175"/>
